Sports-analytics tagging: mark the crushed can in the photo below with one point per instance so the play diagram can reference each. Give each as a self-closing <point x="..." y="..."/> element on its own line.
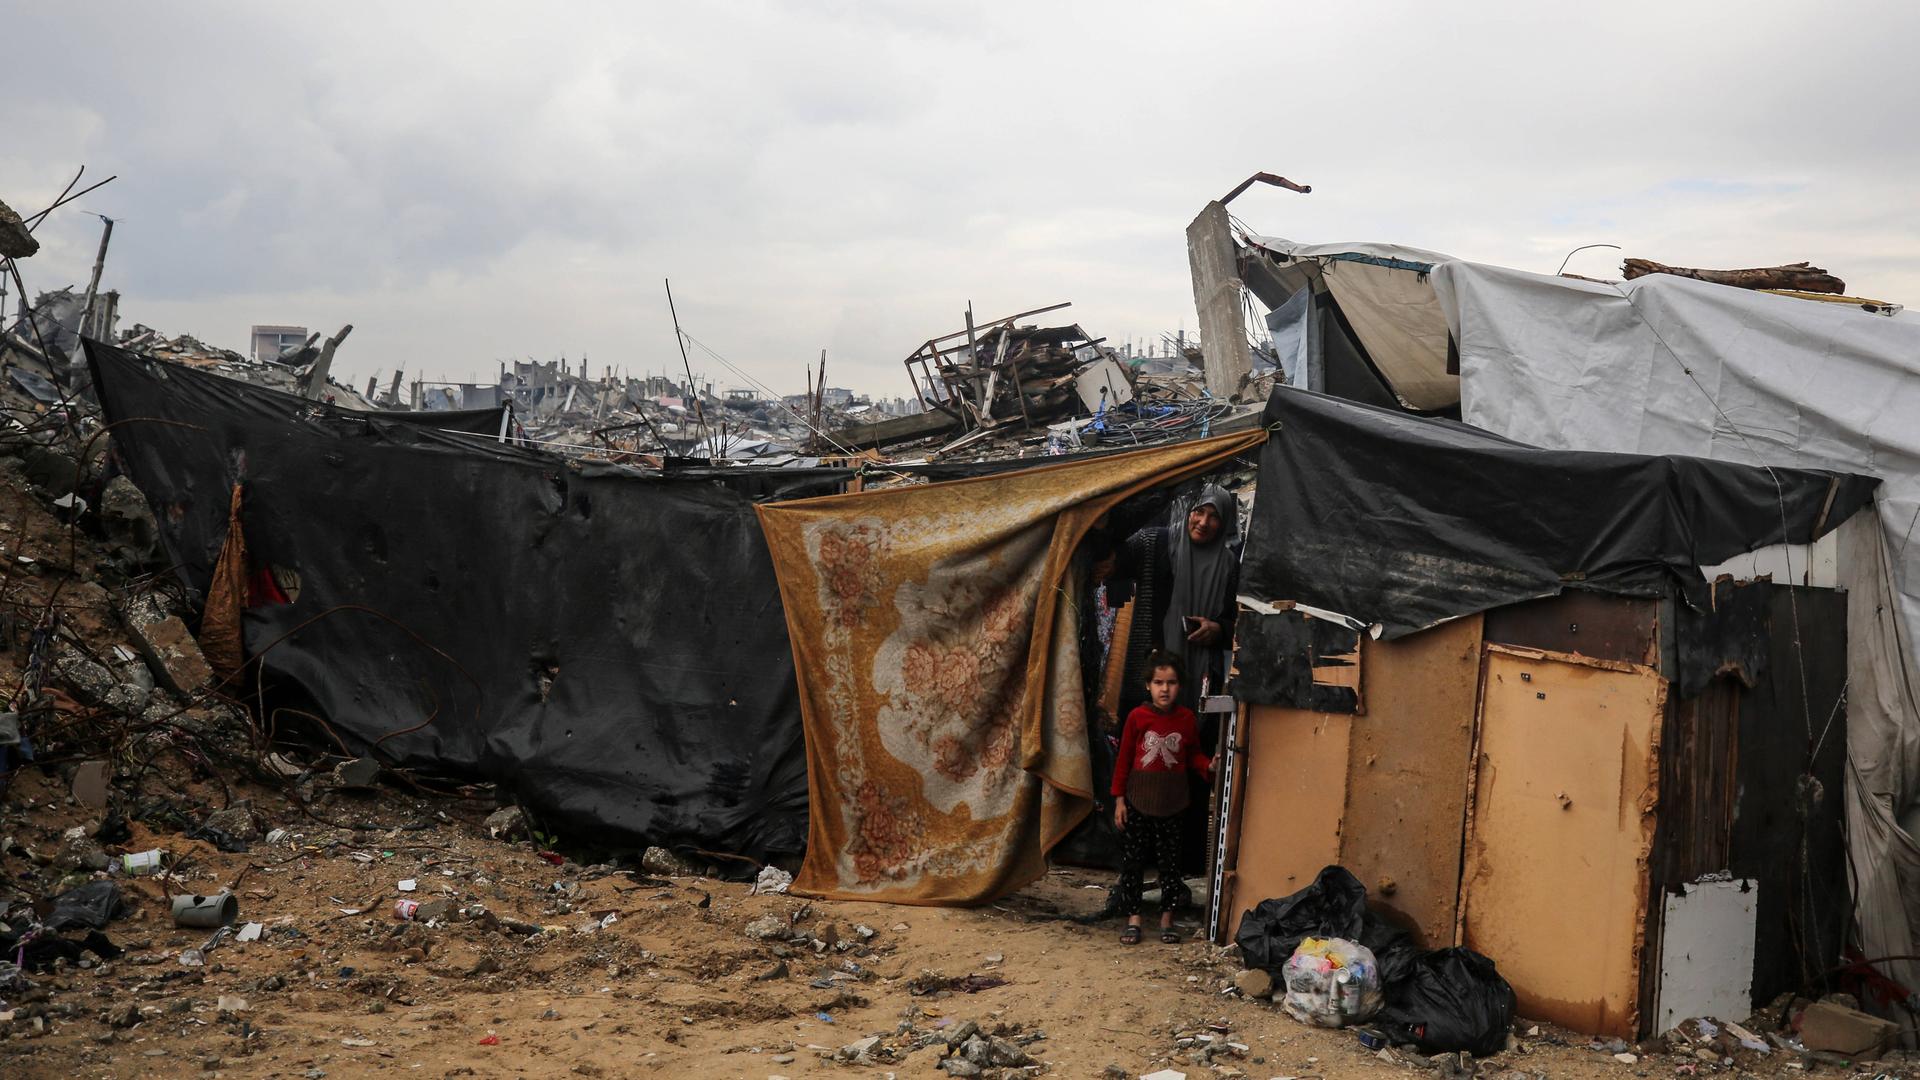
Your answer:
<point x="404" y="909"/>
<point x="141" y="864"/>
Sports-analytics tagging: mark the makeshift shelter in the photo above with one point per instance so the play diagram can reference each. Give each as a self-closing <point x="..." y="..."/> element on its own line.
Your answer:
<point x="1668" y="365"/>
<point x="936" y="633"/>
<point x="1663" y="364"/>
<point x="607" y="646"/>
<point x="1491" y="680"/>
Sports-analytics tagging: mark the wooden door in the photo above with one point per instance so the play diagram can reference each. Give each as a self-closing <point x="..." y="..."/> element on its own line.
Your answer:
<point x="1559" y="828"/>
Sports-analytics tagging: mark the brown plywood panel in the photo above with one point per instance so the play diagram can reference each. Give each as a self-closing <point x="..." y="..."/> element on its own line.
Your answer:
<point x="1407" y="774"/>
<point x="1559" y="830"/>
<point x="1589" y="624"/>
<point x="1295" y="794"/>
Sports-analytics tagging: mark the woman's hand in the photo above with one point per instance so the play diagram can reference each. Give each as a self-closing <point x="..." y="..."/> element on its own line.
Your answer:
<point x="1120" y="814"/>
<point x="1206" y="633"/>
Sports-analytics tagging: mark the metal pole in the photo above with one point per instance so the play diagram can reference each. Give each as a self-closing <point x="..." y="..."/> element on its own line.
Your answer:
<point x="699" y="412"/>
<point x="93" y="285"/>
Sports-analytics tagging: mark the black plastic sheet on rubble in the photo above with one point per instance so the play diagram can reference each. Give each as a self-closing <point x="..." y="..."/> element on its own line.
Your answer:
<point x="1408" y="521"/>
<point x="608" y="646"/>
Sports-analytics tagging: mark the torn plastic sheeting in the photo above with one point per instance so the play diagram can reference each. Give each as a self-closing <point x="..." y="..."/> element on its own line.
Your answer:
<point x="609" y="646"/>
<point x="1409" y="521"/>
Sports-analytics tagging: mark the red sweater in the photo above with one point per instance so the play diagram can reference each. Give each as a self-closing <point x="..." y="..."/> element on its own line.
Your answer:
<point x="1159" y="742"/>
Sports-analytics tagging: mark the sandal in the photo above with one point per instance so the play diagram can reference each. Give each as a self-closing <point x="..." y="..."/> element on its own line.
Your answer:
<point x="1169" y="936"/>
<point x="1130" y="936"/>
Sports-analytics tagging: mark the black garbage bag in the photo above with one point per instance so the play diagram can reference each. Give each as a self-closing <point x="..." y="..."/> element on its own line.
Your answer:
<point x="1335" y="905"/>
<point x="1451" y="999"/>
<point x="1394" y="950"/>
<point x="91" y="906"/>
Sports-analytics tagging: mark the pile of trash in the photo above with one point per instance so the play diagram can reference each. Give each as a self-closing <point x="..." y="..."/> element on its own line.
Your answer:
<point x="1342" y="965"/>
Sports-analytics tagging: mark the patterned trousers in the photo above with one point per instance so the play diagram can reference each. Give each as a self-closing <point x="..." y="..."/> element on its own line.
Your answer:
<point x="1155" y="841"/>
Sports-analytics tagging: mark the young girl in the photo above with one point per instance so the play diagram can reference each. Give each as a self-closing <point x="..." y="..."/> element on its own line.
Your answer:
<point x="1160" y="744"/>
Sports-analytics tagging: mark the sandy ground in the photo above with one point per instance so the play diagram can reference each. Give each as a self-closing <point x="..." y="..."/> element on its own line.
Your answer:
<point x="672" y="984"/>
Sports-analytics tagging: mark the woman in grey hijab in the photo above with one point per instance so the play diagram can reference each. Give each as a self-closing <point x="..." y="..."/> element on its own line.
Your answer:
<point x="1187" y="572"/>
<point x="1199" y="606"/>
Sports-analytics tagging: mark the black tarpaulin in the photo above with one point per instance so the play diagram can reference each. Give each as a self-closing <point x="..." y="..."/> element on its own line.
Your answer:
<point x="1408" y="521"/>
<point x="609" y="646"/>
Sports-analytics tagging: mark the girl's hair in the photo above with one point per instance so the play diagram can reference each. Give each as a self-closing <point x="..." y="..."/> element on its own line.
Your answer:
<point x="1161" y="658"/>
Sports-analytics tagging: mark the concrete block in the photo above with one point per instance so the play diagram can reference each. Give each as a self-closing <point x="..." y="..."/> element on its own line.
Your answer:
<point x="172" y="653"/>
<point x="1840" y="1030"/>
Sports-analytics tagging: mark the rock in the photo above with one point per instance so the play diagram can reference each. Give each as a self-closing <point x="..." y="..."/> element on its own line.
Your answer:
<point x="767" y="926"/>
<point x="125" y="1016"/>
<point x="78" y="851"/>
<point x="509" y="823"/>
<point x="1837" y="1029"/>
<point x="777" y="971"/>
<point x="960" y="1034"/>
<point x="359" y="773"/>
<point x="133" y="536"/>
<point x="89" y="683"/>
<point x="1115" y="1072"/>
<point x="15" y="241"/>
<point x="1254" y="983"/>
<point x="1625" y="1058"/>
<point x="236" y="821"/>
<point x="663" y="863"/>
<point x="858" y="1049"/>
<point x="959" y="1067"/>
<point x="171" y="652"/>
<point x="53" y="472"/>
<point x="1006" y="1054"/>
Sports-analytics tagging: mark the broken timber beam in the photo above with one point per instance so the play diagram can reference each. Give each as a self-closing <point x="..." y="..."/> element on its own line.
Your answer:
<point x="1796" y="277"/>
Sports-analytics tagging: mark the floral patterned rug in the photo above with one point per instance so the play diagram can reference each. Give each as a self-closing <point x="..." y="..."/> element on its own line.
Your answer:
<point x="934" y="632"/>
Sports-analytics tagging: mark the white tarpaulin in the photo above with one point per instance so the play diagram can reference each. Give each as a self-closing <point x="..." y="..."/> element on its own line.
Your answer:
<point x="1382" y="289"/>
<point x="1667" y="365"/>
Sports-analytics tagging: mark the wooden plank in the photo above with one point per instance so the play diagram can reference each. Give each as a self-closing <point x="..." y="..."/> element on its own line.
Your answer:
<point x="1295" y="796"/>
<point x="1589" y="624"/>
<point x="1407" y="774"/>
<point x="1555" y="884"/>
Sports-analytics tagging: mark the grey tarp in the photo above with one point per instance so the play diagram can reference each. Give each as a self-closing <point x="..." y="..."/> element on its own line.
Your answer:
<point x="1667" y="365"/>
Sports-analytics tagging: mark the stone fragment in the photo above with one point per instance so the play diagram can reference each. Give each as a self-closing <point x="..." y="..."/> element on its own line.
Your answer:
<point x="1850" y="1032"/>
<point x="236" y="821"/>
<point x="172" y="653"/>
<point x="509" y="823"/>
<point x="1254" y="983"/>
<point x="767" y="926"/>
<point x="663" y="863"/>
<point x="357" y="773"/>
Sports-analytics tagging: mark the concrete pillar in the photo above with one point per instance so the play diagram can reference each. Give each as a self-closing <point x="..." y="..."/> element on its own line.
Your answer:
<point x="1216" y="296"/>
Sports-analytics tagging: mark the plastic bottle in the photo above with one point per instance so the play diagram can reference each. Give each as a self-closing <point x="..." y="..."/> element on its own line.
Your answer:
<point x="141" y="864"/>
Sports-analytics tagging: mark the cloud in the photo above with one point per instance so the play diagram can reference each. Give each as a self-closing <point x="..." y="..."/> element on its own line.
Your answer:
<point x="472" y="182"/>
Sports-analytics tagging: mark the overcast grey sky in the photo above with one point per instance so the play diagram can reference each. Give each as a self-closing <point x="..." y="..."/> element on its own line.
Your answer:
<point x="470" y="182"/>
